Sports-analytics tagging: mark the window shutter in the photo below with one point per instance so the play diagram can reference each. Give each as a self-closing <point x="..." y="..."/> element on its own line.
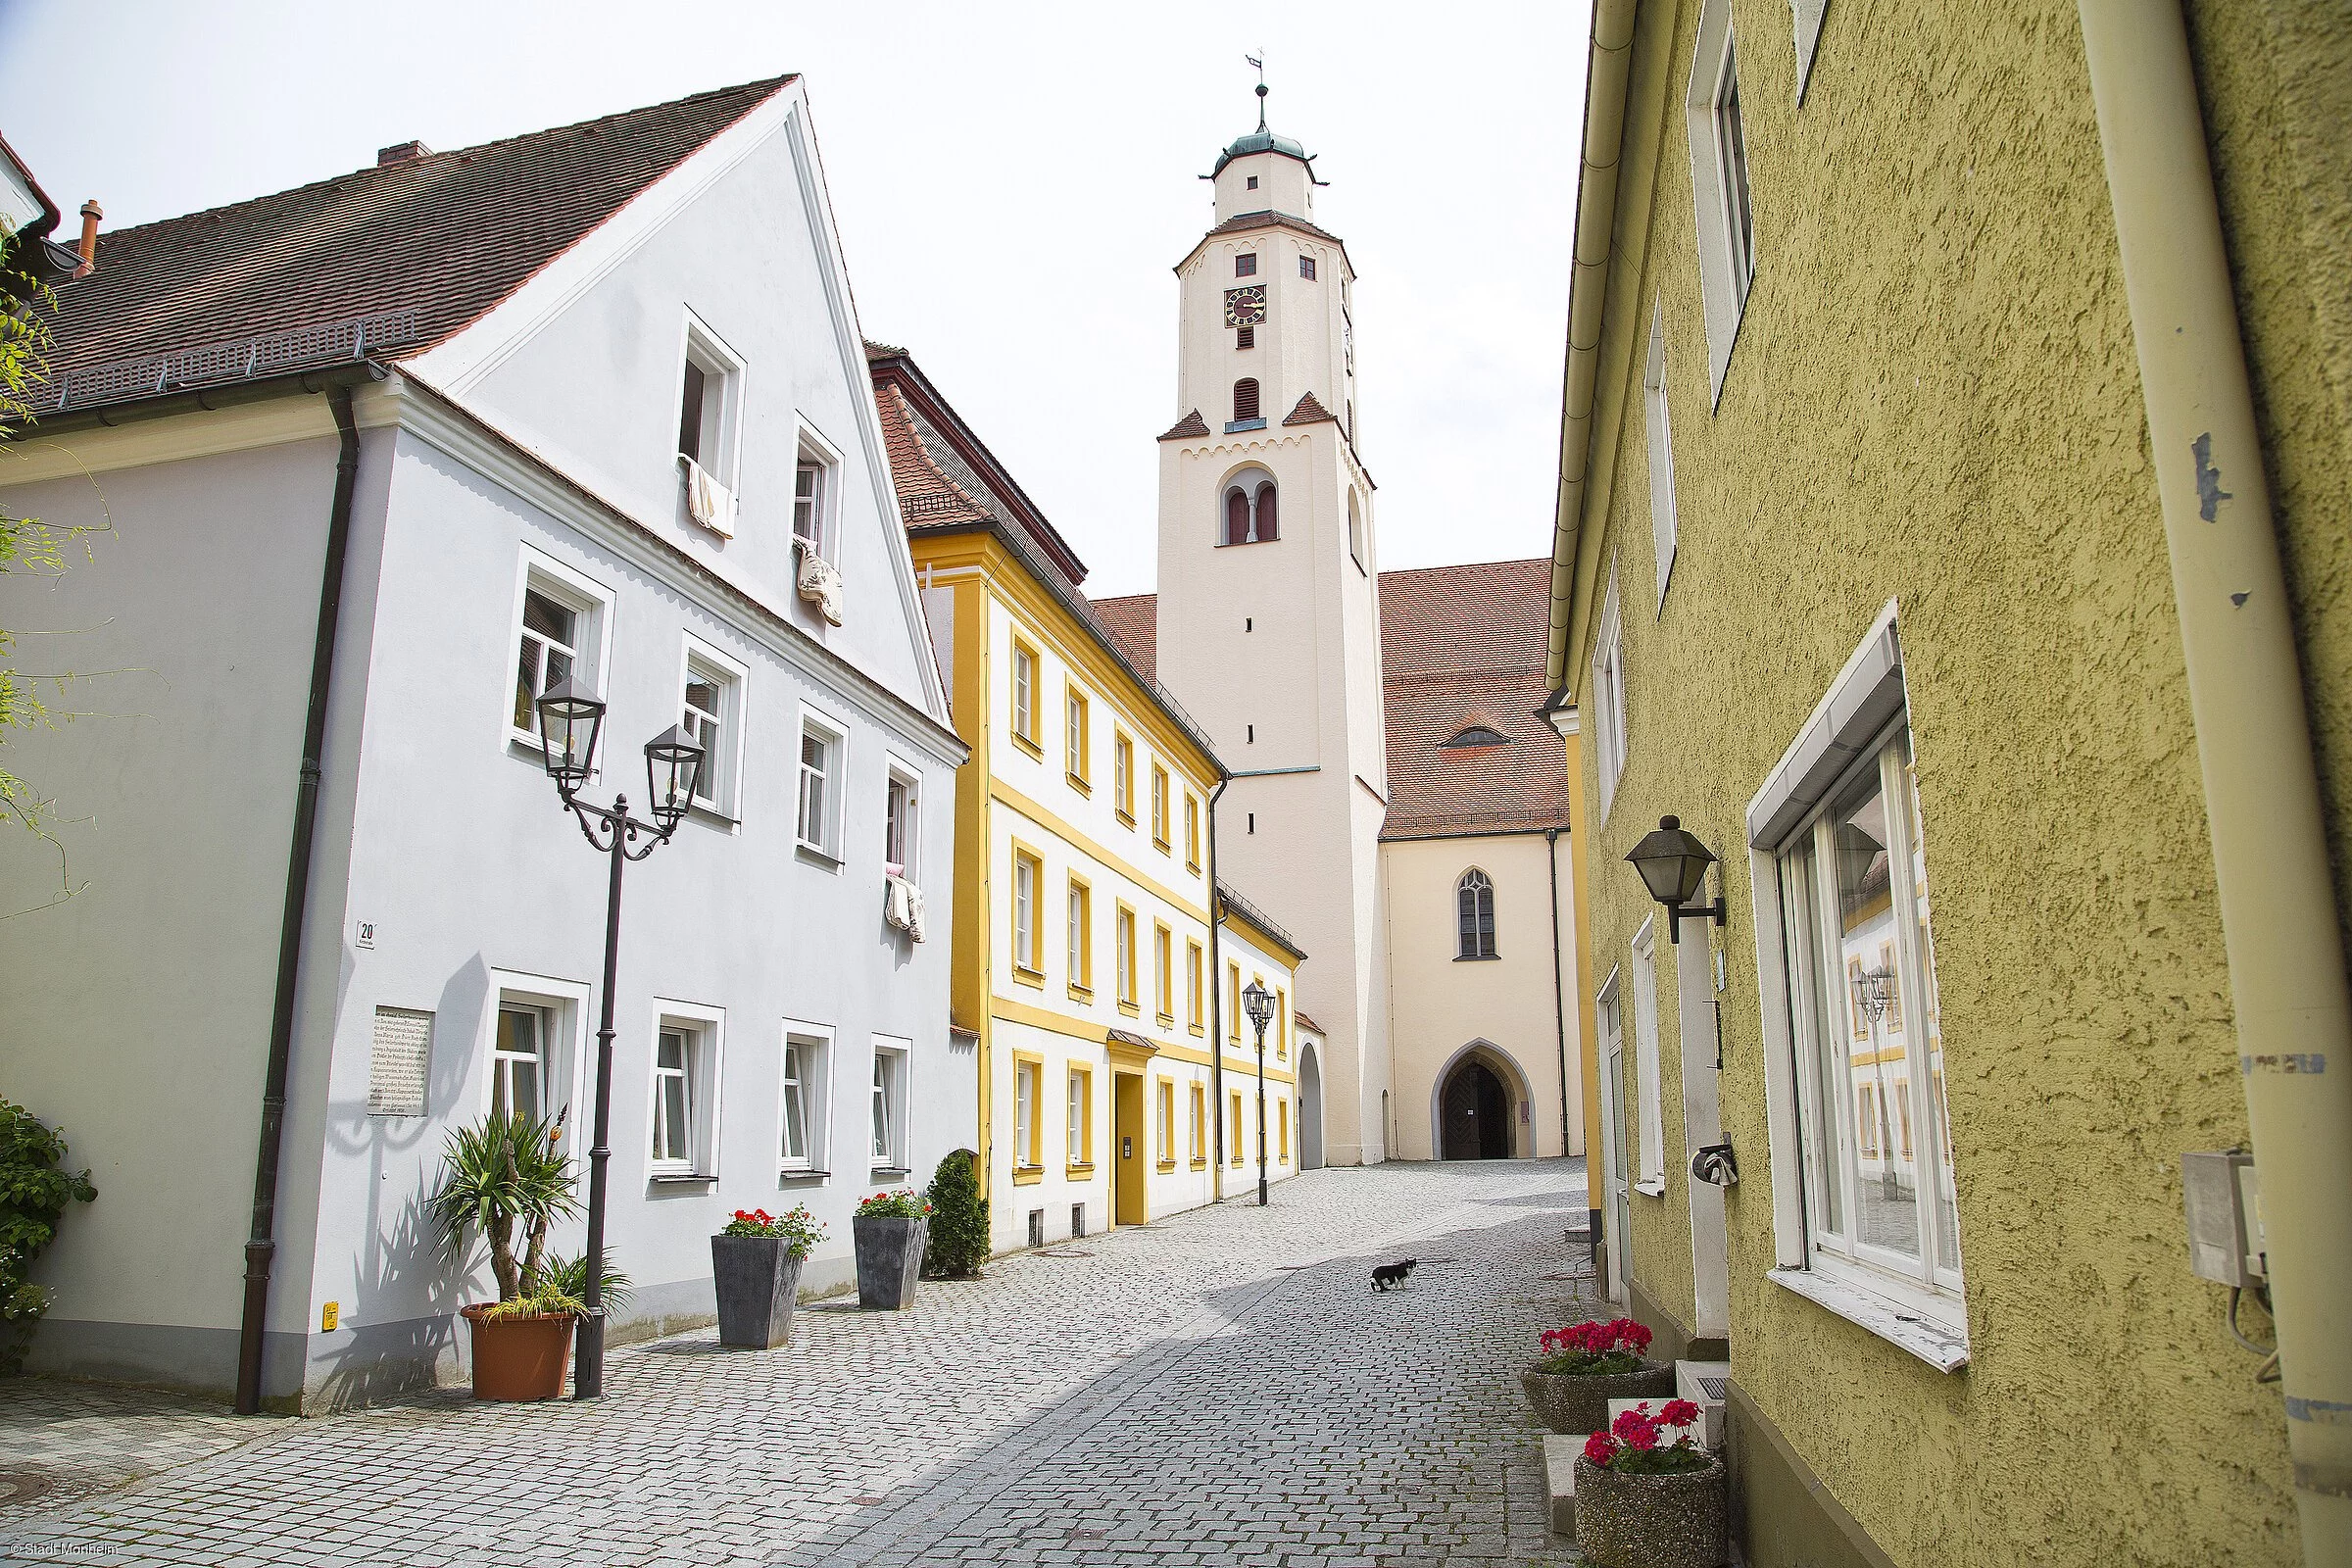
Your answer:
<point x="1237" y="518"/>
<point x="1266" y="528"/>
<point x="1245" y="398"/>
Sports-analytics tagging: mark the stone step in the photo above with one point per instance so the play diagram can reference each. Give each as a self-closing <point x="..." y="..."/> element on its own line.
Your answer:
<point x="1560" y="1479"/>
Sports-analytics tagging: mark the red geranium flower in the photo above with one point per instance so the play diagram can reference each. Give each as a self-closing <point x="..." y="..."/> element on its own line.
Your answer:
<point x="1678" y="1413"/>
<point x="1600" y="1448"/>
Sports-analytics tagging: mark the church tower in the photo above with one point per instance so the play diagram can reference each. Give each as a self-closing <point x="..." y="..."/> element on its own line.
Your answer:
<point x="1269" y="630"/>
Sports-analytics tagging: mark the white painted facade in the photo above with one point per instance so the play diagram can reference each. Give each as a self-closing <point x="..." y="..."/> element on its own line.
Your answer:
<point x="1300" y="825"/>
<point x="536" y="449"/>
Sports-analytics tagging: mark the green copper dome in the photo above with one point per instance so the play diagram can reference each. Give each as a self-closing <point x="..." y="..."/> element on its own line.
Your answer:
<point x="1260" y="140"/>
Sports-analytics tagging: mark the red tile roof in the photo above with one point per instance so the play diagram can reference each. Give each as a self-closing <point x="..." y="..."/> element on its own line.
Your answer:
<point x="1192" y="424"/>
<point x="1310" y="411"/>
<point x="1464" y="644"/>
<point x="1134" y="624"/>
<point x="927" y="497"/>
<point x="448" y="235"/>
<point x="1458" y="645"/>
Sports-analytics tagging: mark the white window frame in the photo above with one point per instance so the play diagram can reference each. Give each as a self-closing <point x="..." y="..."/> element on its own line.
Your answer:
<point x="836" y="738"/>
<point x="1608" y="697"/>
<point x="1078" y="1126"/>
<point x="1917" y="1304"/>
<point x="1355" y="532"/>
<point x="706" y="1029"/>
<point x="1024" y="692"/>
<point x="889" y="1079"/>
<point x="813" y="451"/>
<point x="1650" y="1174"/>
<point x="814" y="1044"/>
<point x="1659" y="430"/>
<point x="723" y="371"/>
<point x="1028" y="1078"/>
<point x="588" y="600"/>
<point x="1726" y="230"/>
<point x="565" y="1004"/>
<point x="1031" y="868"/>
<point x="721" y="782"/>
<point x="1123" y="953"/>
<point x="900" y="774"/>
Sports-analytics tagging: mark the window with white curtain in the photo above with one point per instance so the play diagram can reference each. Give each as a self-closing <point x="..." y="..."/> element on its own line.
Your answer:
<point x="803" y="1096"/>
<point x="1651" y="1134"/>
<point x="1608" y="698"/>
<point x="519" y="1062"/>
<point x="887" y="1106"/>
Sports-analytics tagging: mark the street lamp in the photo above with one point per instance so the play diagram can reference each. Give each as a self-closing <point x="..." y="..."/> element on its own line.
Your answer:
<point x="571" y="718"/>
<point x="1872" y="991"/>
<point x="1674" y="865"/>
<point x="1258" y="1003"/>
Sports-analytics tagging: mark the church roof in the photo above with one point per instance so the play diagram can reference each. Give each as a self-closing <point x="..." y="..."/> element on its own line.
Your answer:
<point x="1260" y="140"/>
<point x="1268" y="217"/>
<point x="1461" y="649"/>
<point x="1311" y="410"/>
<point x="1192" y="424"/>
<point x="1134" y="624"/>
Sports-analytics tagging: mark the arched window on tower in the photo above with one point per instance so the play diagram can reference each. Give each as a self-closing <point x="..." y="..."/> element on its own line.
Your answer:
<point x="1474" y="899"/>
<point x="1249" y="511"/>
<point x="1356" y="532"/>
<point x="1245" y="398"/>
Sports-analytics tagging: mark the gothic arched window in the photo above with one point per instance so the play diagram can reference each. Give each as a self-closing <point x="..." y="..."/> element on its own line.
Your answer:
<point x="1245" y="398"/>
<point x="1267" y="528"/>
<point x="1474" y="898"/>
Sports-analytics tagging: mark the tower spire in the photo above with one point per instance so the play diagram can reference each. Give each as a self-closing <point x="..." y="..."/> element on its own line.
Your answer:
<point x="1259" y="61"/>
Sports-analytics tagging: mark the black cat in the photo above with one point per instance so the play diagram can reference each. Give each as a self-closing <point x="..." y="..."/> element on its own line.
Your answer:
<point x="1391" y="1276"/>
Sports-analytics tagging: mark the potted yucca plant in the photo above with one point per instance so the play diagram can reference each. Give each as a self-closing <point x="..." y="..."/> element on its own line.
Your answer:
<point x="755" y="1269"/>
<point x="504" y="1175"/>
<point x="890" y="1230"/>
<point x="1585" y="1366"/>
<point x="1649" y="1496"/>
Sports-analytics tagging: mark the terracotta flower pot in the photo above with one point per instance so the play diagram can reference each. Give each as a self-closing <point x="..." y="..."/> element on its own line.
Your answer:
<point x="758" y="1278"/>
<point x="890" y="1258"/>
<point x="1577" y="1403"/>
<point x="519" y="1357"/>
<point x="1630" y="1520"/>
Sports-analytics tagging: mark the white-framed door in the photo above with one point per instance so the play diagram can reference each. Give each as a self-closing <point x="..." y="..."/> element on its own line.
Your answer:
<point x="1615" y="1209"/>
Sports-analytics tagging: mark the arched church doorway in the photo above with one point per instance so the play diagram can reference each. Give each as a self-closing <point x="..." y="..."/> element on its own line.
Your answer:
<point x="1478" y="1103"/>
<point x="1310" y="1108"/>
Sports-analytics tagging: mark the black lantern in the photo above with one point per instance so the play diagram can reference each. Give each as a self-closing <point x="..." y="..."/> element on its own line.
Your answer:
<point x="673" y="774"/>
<point x="571" y="715"/>
<point x="1258" y="1003"/>
<point x="1674" y="865"/>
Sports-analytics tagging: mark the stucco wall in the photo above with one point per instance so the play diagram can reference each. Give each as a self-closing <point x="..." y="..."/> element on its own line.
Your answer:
<point x="1440" y="1003"/>
<point x="1934" y="398"/>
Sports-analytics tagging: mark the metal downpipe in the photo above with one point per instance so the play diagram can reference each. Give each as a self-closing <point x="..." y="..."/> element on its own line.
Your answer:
<point x="2279" y="919"/>
<point x="262" y="1246"/>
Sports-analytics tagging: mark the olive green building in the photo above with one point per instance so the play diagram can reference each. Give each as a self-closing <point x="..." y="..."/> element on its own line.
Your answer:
<point x="1955" y="536"/>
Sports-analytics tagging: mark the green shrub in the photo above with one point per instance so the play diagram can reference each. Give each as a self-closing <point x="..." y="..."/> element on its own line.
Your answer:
<point x="958" y="1241"/>
<point x="568" y="1276"/>
<point x="503" y="1172"/>
<point x="34" y="1190"/>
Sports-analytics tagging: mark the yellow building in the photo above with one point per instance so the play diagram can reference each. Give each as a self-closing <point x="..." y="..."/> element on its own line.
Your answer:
<point x="1118" y="1075"/>
<point x="1954" y="512"/>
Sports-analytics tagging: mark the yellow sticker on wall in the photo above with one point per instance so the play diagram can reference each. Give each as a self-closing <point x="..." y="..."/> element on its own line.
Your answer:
<point x="328" y="1316"/>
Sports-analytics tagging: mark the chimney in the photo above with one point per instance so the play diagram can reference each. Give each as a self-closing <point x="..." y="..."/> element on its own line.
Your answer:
<point x="407" y="152"/>
<point x="91" y="212"/>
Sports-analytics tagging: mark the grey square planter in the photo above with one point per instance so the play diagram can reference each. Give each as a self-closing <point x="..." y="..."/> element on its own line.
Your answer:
<point x="758" y="1278"/>
<point x="890" y="1258"/>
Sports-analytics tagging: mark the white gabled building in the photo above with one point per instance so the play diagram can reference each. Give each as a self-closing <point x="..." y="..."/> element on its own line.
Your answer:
<point x="507" y="354"/>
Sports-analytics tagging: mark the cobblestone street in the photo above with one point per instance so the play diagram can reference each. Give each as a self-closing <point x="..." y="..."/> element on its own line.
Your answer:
<point x="1219" y="1386"/>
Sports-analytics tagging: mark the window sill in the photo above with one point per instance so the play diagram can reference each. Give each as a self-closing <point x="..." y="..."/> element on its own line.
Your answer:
<point x="801" y="1173"/>
<point x="1079" y="1172"/>
<point x="1192" y="866"/>
<point x="1655" y="1187"/>
<point x="1237" y="426"/>
<point x="1940" y="1344"/>
<point x="1165" y="1167"/>
<point x="706" y="811"/>
<point x="1033" y="978"/>
<point x="887" y="1173"/>
<point x="683" y="1178"/>
<point x="1028" y="1175"/>
<point x="1197" y="1031"/>
<point x="1130" y="1010"/>
<point x="1125" y="817"/>
<point x="1478" y="958"/>
<point x="1079" y="993"/>
<point x="1022" y="741"/>
<point x="1167" y="1021"/>
<point x="1080" y="785"/>
<point x="1200" y="1165"/>
<point x="822" y="858"/>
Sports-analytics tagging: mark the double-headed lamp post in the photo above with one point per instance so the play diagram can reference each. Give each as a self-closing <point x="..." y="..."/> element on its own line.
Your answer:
<point x="1258" y="1003"/>
<point x="571" y="718"/>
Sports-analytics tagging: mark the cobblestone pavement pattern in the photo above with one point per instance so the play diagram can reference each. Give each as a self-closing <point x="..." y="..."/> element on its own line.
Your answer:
<point x="1219" y="1388"/>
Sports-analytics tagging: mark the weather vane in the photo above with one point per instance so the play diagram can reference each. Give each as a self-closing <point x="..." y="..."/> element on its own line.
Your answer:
<point x="1259" y="61"/>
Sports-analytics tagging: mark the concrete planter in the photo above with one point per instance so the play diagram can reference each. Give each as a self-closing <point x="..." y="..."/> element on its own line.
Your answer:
<point x="758" y="1278"/>
<point x="520" y="1359"/>
<point x="1627" y="1520"/>
<point x="1578" y="1404"/>
<point x="890" y="1258"/>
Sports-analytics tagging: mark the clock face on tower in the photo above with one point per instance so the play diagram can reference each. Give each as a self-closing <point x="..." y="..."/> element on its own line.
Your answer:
<point x="1245" y="307"/>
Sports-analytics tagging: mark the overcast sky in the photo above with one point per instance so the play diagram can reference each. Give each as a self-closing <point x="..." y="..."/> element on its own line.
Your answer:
<point x="1013" y="183"/>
